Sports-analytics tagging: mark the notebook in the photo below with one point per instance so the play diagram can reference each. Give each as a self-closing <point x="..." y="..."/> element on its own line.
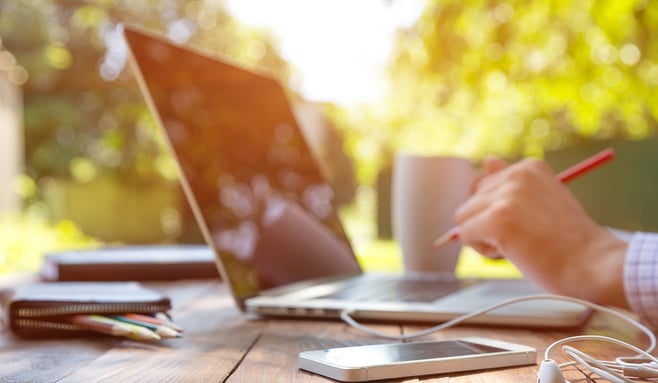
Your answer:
<point x="265" y="209"/>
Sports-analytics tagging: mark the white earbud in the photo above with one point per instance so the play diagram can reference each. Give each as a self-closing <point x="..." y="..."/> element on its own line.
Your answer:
<point x="549" y="372"/>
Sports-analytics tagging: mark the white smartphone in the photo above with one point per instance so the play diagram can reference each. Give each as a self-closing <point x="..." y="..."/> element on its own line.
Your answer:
<point x="398" y="360"/>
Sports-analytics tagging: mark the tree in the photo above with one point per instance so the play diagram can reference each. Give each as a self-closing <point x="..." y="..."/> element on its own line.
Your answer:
<point x="516" y="77"/>
<point x="84" y="114"/>
<point x="88" y="130"/>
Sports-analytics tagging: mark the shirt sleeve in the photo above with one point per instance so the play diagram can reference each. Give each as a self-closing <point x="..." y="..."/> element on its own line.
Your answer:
<point x="641" y="276"/>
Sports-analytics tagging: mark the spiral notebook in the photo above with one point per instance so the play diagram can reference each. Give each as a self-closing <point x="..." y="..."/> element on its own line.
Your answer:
<point x="265" y="209"/>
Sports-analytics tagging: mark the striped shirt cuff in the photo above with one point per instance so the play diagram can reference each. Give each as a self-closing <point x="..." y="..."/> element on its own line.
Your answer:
<point x="641" y="276"/>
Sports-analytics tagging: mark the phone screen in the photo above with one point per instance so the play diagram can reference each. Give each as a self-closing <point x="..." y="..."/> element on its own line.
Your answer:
<point x="387" y="353"/>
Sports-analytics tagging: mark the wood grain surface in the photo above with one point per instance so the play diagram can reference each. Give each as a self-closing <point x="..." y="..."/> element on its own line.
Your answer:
<point x="221" y="344"/>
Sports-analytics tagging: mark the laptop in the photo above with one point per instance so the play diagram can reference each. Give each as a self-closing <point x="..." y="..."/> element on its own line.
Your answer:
<point x="266" y="211"/>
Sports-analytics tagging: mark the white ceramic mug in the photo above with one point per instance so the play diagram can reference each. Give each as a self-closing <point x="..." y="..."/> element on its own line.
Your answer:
<point x="426" y="192"/>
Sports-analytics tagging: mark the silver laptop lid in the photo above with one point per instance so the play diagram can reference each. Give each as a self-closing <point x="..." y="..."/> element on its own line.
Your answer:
<point x="249" y="176"/>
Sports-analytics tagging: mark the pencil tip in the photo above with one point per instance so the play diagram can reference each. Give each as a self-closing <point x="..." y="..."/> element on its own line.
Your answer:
<point x="445" y="238"/>
<point x="146" y="334"/>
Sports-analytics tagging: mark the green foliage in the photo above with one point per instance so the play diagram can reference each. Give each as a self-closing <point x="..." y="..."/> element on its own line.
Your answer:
<point x="84" y="114"/>
<point x="364" y="138"/>
<point x="25" y="239"/>
<point x="512" y="78"/>
<point x="516" y="77"/>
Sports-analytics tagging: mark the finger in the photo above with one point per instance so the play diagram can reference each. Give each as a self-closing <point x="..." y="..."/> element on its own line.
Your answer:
<point x="494" y="164"/>
<point x="490" y="165"/>
<point x="484" y="201"/>
<point x="471" y="208"/>
<point x="478" y="234"/>
<point x="487" y="250"/>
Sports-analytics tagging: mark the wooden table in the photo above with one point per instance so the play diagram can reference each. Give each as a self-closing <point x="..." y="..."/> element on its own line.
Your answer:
<point x="222" y="344"/>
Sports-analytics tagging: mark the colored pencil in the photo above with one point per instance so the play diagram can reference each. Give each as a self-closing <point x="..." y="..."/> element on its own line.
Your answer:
<point x="586" y="165"/>
<point x="167" y="321"/>
<point x="155" y="320"/>
<point x="565" y="176"/>
<point x="162" y="330"/>
<point x="109" y="326"/>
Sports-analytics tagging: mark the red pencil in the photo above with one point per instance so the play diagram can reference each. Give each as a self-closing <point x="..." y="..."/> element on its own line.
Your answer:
<point x="586" y="165"/>
<point x="565" y="176"/>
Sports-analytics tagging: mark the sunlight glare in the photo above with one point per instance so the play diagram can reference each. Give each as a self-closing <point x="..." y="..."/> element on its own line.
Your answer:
<point x="340" y="47"/>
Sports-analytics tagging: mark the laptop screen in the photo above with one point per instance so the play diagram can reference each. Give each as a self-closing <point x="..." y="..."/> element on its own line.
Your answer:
<point x="255" y="189"/>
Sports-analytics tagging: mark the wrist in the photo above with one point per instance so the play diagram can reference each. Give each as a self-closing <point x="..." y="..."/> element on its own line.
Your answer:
<point x="605" y="283"/>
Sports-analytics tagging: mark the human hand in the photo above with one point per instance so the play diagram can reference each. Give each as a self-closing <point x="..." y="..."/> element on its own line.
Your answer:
<point x="524" y="213"/>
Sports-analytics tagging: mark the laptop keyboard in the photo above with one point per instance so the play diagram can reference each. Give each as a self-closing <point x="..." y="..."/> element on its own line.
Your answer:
<point x="396" y="289"/>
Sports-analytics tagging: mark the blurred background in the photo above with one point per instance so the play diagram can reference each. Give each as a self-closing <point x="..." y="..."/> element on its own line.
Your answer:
<point x="82" y="163"/>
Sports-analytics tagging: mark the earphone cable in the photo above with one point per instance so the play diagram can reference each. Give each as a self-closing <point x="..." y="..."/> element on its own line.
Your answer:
<point x="616" y="371"/>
